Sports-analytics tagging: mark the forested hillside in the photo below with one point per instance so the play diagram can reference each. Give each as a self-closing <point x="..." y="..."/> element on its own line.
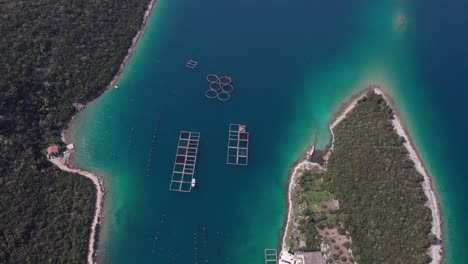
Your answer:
<point x="381" y="198"/>
<point x="379" y="189"/>
<point x="52" y="54"/>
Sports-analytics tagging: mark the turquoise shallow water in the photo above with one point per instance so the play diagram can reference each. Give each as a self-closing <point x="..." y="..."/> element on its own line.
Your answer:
<point x="293" y="64"/>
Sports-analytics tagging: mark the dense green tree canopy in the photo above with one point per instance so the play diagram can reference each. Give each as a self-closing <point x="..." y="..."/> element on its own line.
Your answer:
<point x="381" y="199"/>
<point x="52" y="54"/>
<point x="379" y="189"/>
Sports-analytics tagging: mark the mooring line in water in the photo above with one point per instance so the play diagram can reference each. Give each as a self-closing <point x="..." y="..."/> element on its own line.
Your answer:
<point x="130" y="140"/>
<point x="205" y="238"/>
<point x="127" y="233"/>
<point x="174" y="254"/>
<point x="157" y="239"/>
<point x="218" y="242"/>
<point x="114" y="156"/>
<point x="153" y="145"/>
<point x="195" y="247"/>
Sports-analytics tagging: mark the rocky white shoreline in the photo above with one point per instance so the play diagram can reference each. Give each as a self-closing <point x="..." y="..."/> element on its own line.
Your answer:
<point x="61" y="163"/>
<point x="298" y="169"/>
<point x="435" y="251"/>
<point x="132" y="48"/>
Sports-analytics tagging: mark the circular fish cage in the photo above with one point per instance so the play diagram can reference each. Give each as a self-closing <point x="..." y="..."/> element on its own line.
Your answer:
<point x="211" y="94"/>
<point x="225" y="80"/>
<point x="227" y="88"/>
<point x="223" y="96"/>
<point x="212" y="78"/>
<point x="215" y="86"/>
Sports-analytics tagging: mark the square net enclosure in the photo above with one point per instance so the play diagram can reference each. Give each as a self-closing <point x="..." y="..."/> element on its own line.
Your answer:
<point x="238" y="145"/>
<point x="185" y="160"/>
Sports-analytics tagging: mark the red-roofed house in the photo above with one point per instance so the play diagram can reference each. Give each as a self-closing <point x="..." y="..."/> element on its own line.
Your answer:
<point x="52" y="151"/>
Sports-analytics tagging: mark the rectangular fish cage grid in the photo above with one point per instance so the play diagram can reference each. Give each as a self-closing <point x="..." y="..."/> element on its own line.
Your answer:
<point x="184" y="164"/>
<point x="271" y="256"/>
<point x="238" y="145"/>
<point x="191" y="64"/>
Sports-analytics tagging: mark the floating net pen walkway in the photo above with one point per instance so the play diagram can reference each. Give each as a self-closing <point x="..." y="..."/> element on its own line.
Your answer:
<point x="271" y="256"/>
<point x="238" y="145"/>
<point x="184" y="165"/>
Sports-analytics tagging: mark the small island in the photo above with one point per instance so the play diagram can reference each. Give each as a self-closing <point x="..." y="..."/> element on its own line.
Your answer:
<point x="367" y="199"/>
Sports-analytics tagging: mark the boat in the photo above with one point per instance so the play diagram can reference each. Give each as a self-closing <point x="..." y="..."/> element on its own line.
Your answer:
<point x="193" y="182"/>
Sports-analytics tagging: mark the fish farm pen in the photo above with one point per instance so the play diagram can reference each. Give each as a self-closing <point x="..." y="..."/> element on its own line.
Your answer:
<point x="184" y="166"/>
<point x="219" y="87"/>
<point x="271" y="256"/>
<point x="191" y="64"/>
<point x="238" y="145"/>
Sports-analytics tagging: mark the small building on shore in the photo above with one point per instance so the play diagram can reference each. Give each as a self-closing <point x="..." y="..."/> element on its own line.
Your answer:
<point x="53" y="152"/>
<point x="287" y="257"/>
<point x="315" y="257"/>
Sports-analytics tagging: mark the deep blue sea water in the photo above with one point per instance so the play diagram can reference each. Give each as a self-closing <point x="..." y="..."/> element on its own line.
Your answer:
<point x="439" y="50"/>
<point x="293" y="64"/>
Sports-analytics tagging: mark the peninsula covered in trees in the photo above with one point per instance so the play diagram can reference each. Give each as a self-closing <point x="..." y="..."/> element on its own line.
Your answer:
<point x="368" y="200"/>
<point x="52" y="54"/>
